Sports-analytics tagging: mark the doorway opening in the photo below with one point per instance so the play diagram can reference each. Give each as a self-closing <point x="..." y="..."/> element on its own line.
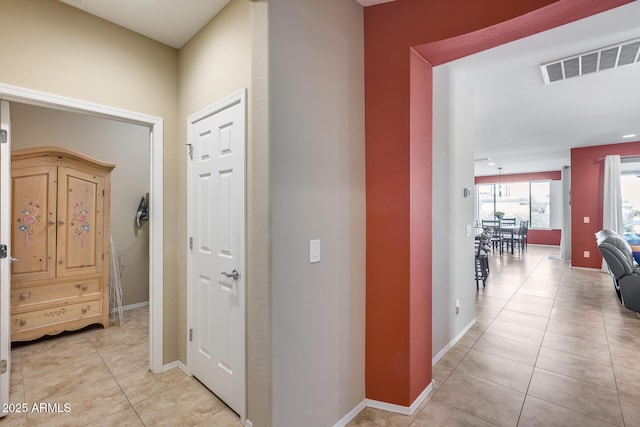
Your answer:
<point x="154" y="125"/>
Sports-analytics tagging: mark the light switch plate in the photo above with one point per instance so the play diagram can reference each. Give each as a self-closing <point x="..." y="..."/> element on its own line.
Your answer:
<point x="314" y="251"/>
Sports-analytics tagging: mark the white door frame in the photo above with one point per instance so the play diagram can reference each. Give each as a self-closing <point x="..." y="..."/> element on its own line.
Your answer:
<point x="156" y="220"/>
<point x="5" y="298"/>
<point x="239" y="96"/>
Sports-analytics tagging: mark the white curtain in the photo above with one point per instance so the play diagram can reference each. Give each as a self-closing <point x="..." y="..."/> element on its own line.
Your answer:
<point x="612" y="206"/>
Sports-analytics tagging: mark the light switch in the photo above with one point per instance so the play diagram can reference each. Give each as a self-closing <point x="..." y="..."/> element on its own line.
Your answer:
<point x="586" y="220"/>
<point x="314" y="251"/>
<point x="467" y="230"/>
<point x="587" y="254"/>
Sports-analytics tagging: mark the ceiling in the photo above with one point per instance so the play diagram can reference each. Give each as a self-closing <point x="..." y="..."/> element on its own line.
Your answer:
<point x="167" y="21"/>
<point x="521" y="124"/>
<point x="524" y="125"/>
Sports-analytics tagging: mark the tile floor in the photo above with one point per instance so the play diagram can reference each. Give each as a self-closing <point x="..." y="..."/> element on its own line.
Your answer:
<point x="552" y="347"/>
<point x="103" y="374"/>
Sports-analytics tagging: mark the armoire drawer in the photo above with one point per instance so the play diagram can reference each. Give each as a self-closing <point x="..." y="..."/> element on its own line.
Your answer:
<point x="54" y="315"/>
<point x="21" y="297"/>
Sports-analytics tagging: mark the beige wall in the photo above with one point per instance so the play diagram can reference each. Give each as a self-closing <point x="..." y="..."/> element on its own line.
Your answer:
<point x="229" y="54"/>
<point x="126" y="145"/>
<point x="305" y="171"/>
<point x="212" y="65"/>
<point x="54" y="48"/>
<point x="317" y="175"/>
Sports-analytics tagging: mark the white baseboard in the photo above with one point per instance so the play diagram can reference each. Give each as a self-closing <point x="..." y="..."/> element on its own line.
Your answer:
<point x="587" y="269"/>
<point x="453" y="342"/>
<point x="136" y="305"/>
<point x="399" y="409"/>
<point x="184" y="368"/>
<point x="389" y="407"/>
<point x="170" y="366"/>
<point x="351" y="415"/>
<point x="132" y="306"/>
<point x="176" y="364"/>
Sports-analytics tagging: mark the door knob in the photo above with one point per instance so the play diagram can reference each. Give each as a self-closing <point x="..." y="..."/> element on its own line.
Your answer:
<point x="234" y="274"/>
<point x="12" y="259"/>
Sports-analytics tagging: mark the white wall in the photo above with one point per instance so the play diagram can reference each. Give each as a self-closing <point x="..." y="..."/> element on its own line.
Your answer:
<point x="453" y="256"/>
<point x="126" y="145"/>
<point x="317" y="192"/>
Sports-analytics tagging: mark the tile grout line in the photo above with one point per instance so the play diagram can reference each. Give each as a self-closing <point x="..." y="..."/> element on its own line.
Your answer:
<point x="554" y="373"/>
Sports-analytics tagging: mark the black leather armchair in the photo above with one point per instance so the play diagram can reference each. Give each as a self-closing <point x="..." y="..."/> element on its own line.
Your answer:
<point x="626" y="275"/>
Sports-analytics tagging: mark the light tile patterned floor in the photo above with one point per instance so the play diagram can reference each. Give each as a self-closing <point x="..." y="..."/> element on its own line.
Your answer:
<point x="552" y="347"/>
<point x="103" y="374"/>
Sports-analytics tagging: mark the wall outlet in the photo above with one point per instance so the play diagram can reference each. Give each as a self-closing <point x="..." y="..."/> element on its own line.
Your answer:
<point x="457" y="307"/>
<point x="586" y="220"/>
<point x="587" y="254"/>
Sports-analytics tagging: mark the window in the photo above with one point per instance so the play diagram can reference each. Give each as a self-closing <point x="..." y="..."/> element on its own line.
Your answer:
<point x="630" y="186"/>
<point x="521" y="200"/>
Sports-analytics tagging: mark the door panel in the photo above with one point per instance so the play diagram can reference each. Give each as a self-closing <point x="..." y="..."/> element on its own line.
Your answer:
<point x="33" y="223"/>
<point x="5" y="238"/>
<point x="217" y="215"/>
<point x="80" y="201"/>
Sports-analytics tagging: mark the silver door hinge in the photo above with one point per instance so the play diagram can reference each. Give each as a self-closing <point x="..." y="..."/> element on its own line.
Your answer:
<point x="191" y="334"/>
<point x="190" y="243"/>
<point x="190" y="151"/>
<point x="3" y="136"/>
<point x="3" y="366"/>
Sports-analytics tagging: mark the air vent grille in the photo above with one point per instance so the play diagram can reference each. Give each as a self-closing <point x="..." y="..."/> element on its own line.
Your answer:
<point x="625" y="53"/>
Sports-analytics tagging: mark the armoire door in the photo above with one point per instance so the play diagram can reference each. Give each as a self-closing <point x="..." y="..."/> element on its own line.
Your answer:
<point x="33" y="223"/>
<point x="80" y="223"/>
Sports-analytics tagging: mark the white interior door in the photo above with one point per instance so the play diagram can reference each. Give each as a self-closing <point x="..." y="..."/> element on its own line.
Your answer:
<point x="217" y="228"/>
<point x="5" y="239"/>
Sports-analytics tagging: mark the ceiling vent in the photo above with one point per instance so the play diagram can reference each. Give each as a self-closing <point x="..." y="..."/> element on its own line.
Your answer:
<point x="624" y="53"/>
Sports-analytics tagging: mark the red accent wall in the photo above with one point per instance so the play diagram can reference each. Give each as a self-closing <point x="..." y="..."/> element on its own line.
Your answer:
<point x="398" y="326"/>
<point x="520" y="177"/>
<point x="587" y="183"/>
<point x="420" y="194"/>
<point x="544" y="237"/>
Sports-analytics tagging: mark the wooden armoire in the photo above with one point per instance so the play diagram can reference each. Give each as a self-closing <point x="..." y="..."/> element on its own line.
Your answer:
<point x="60" y="235"/>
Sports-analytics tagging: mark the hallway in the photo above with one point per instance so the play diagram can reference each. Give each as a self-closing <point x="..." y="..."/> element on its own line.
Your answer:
<point x="552" y="346"/>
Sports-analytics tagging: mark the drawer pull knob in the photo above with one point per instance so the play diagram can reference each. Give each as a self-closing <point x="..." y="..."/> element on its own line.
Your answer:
<point x="61" y="222"/>
<point x="85" y="309"/>
<point x="23" y="322"/>
<point x="82" y="286"/>
<point x="25" y="295"/>
<point x="52" y="222"/>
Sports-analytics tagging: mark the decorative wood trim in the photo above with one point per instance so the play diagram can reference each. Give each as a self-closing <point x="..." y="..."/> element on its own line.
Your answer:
<point x="59" y="153"/>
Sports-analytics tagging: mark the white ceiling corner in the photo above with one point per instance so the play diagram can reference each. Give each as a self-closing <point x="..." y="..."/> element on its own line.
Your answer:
<point x="168" y="21"/>
<point x="372" y="2"/>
